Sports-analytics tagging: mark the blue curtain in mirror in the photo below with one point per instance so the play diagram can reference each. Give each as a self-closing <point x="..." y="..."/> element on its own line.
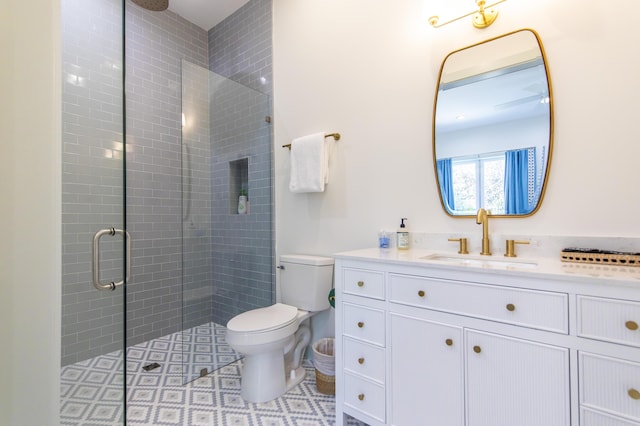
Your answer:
<point x="445" y="177"/>
<point x="519" y="165"/>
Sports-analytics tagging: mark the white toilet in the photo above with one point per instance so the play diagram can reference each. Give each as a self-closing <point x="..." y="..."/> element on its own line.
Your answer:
<point x="273" y="339"/>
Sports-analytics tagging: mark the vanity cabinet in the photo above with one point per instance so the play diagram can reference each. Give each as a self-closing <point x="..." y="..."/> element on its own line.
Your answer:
<point x="426" y="371"/>
<point x="513" y="381"/>
<point x="421" y="344"/>
<point x="609" y="386"/>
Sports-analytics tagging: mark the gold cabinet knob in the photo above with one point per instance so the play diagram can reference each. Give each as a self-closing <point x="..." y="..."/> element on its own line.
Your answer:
<point x="631" y="325"/>
<point x="360" y="324"/>
<point x="361" y="360"/>
<point x="421" y="293"/>
<point x="633" y="394"/>
<point x="477" y="349"/>
<point x="360" y="283"/>
<point x="511" y="307"/>
<point x="361" y="397"/>
<point x="449" y="342"/>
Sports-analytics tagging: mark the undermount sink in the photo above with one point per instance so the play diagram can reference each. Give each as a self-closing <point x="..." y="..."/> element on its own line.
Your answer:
<point x="481" y="262"/>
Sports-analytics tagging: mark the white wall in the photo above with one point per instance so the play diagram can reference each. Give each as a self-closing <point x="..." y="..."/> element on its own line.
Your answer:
<point x="368" y="69"/>
<point x="29" y="212"/>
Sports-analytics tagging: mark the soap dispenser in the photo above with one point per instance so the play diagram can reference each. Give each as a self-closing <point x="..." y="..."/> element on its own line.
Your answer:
<point x="242" y="202"/>
<point x="402" y="242"/>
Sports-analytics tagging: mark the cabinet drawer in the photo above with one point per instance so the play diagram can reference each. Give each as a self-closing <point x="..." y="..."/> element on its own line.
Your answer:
<point x="530" y="308"/>
<point x="363" y="323"/>
<point x="610" y="320"/>
<point x="593" y="418"/>
<point x="610" y="384"/>
<point x="364" y="359"/>
<point x="364" y="396"/>
<point x="365" y="283"/>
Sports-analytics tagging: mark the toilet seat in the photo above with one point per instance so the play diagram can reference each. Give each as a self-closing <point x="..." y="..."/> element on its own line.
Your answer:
<point x="263" y="320"/>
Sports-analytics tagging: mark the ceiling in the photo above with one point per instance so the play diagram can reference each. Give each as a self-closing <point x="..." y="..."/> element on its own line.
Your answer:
<point x="205" y="13"/>
<point x="502" y="96"/>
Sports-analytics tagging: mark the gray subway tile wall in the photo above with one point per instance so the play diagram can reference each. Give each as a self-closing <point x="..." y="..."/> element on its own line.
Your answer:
<point x="243" y="264"/>
<point x="156" y="44"/>
<point x="242" y="253"/>
<point x="196" y="196"/>
<point x="240" y="47"/>
<point x="92" y="176"/>
<point x="241" y="271"/>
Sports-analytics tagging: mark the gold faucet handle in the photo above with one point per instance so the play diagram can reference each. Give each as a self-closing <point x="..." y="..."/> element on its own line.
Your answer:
<point x="463" y="245"/>
<point x="511" y="247"/>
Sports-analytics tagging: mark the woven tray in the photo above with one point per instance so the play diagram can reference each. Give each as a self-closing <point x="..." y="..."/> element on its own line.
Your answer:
<point x="601" y="257"/>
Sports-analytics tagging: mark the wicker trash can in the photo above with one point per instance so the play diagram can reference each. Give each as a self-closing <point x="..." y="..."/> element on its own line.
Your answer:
<point x="325" y="365"/>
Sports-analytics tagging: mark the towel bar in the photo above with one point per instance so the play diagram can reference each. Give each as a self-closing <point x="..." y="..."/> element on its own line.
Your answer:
<point x="335" y="136"/>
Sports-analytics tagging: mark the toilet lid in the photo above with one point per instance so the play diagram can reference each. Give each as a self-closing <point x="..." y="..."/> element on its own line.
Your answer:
<point x="263" y="319"/>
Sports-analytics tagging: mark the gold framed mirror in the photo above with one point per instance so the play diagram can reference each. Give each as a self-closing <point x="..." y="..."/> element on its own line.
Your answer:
<point x="493" y="127"/>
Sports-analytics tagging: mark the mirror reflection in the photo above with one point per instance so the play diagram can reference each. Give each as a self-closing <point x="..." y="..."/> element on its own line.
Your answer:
<point x="492" y="131"/>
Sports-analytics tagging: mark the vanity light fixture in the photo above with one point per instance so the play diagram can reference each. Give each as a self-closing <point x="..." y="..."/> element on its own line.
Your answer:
<point x="482" y="18"/>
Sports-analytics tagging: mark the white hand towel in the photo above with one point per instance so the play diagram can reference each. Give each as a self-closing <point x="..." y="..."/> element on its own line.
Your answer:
<point x="309" y="164"/>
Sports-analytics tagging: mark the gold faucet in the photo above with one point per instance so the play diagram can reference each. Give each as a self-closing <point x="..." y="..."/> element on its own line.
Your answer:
<point x="483" y="218"/>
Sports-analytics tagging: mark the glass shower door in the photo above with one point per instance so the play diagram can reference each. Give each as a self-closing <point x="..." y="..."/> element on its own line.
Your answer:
<point x="226" y="254"/>
<point x="94" y="264"/>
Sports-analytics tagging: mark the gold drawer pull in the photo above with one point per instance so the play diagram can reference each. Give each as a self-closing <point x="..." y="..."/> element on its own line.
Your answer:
<point x="511" y="307"/>
<point x="360" y="283"/>
<point x="360" y="324"/>
<point x="631" y="325"/>
<point x="634" y="394"/>
<point x="477" y="349"/>
<point x="361" y="397"/>
<point x="360" y="361"/>
<point x="449" y="342"/>
<point x="421" y="293"/>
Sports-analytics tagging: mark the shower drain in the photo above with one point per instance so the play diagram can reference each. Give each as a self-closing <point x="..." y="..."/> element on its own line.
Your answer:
<point x="150" y="367"/>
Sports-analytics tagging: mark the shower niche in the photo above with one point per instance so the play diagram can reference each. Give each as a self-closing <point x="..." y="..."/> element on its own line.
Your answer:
<point x="238" y="183"/>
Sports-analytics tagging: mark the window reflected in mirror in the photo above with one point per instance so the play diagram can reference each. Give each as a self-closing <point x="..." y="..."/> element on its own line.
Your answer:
<point x="493" y="121"/>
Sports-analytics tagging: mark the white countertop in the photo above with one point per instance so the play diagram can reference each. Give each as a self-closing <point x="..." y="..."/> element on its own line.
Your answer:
<point x="532" y="267"/>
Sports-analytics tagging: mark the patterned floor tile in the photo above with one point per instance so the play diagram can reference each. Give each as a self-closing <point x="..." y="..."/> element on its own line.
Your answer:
<point x="92" y="390"/>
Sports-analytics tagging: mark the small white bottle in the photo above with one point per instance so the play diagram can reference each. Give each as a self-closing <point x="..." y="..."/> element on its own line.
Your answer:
<point x="242" y="202"/>
<point x="402" y="242"/>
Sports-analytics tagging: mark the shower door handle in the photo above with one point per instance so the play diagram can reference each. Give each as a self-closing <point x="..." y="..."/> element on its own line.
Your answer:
<point x="95" y="267"/>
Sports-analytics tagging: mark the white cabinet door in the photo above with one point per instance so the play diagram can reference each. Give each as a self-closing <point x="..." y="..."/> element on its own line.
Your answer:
<point x="515" y="382"/>
<point x="426" y="373"/>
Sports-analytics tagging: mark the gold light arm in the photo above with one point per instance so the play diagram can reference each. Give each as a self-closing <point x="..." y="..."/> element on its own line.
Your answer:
<point x="482" y="18"/>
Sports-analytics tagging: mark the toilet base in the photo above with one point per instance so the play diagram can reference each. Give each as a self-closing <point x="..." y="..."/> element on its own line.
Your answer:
<point x="296" y="378"/>
<point x="268" y="366"/>
<point x="264" y="378"/>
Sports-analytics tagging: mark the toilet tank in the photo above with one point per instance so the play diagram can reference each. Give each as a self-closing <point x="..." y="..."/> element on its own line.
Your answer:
<point x="305" y="281"/>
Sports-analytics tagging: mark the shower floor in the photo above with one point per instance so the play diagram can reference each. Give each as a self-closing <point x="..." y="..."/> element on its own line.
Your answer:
<point x="91" y="390"/>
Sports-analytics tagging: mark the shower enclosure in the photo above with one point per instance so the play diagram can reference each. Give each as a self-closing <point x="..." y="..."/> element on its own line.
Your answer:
<point x="226" y="149"/>
<point x="94" y="193"/>
<point x="159" y="153"/>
